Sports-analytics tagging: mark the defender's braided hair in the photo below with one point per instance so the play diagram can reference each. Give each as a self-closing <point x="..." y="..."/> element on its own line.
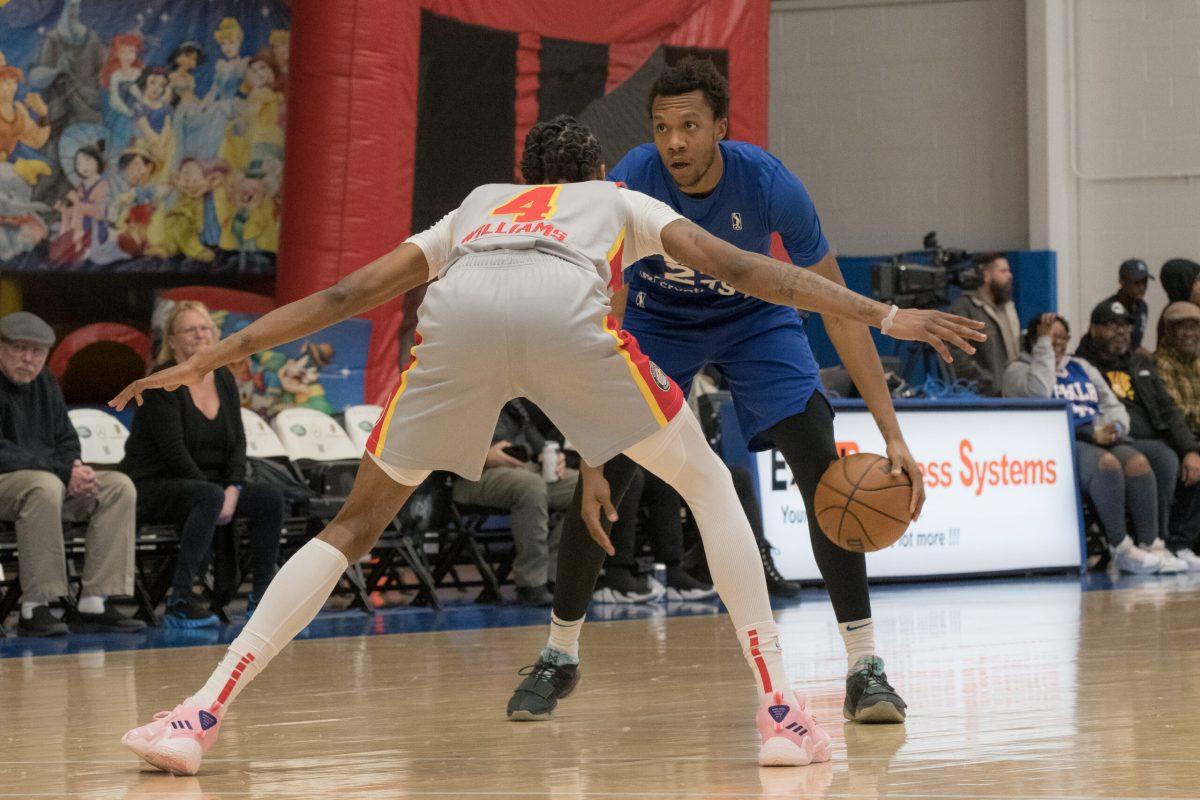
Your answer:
<point x="560" y="150"/>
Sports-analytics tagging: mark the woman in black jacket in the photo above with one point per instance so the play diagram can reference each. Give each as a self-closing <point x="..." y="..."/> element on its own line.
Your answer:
<point x="187" y="456"/>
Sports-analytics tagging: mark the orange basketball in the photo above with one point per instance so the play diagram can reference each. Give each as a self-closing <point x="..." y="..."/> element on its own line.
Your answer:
<point x="860" y="505"/>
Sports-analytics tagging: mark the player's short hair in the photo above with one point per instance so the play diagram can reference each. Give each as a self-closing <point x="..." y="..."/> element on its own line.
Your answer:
<point x="560" y="150"/>
<point x="689" y="75"/>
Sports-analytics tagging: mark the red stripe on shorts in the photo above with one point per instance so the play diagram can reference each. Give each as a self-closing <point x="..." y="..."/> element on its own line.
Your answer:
<point x="668" y="400"/>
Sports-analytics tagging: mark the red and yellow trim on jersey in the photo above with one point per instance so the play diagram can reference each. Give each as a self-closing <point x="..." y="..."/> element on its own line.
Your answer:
<point x="379" y="433"/>
<point x="665" y="403"/>
<point x="616" y="260"/>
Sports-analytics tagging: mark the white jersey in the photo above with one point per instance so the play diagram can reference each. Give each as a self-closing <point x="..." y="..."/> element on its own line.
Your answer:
<point x="595" y="224"/>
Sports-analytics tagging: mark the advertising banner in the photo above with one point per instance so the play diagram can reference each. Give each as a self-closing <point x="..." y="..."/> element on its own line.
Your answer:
<point x="1000" y="487"/>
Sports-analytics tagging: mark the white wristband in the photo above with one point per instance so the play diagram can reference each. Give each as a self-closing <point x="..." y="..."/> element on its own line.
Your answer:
<point x="889" y="320"/>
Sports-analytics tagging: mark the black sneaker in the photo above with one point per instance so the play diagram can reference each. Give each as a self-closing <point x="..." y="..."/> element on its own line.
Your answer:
<point x="534" y="596"/>
<point x="620" y="585"/>
<point x="682" y="586"/>
<point x="41" y="623"/>
<point x="108" y="621"/>
<point x="869" y="696"/>
<point x="545" y="684"/>
<point x="777" y="585"/>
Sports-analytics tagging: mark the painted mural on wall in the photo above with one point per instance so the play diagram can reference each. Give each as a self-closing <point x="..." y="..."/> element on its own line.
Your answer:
<point x="142" y="135"/>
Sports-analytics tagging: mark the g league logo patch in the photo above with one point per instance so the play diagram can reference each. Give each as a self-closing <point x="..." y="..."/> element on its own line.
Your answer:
<point x="660" y="378"/>
<point x="736" y="219"/>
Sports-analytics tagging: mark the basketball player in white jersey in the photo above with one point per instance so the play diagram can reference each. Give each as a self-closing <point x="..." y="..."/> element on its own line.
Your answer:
<point x="521" y="309"/>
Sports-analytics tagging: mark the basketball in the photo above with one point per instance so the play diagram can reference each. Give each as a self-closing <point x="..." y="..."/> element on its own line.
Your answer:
<point x="860" y="505"/>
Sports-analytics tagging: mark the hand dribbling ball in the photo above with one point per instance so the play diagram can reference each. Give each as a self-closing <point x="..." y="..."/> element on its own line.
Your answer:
<point x="860" y="505"/>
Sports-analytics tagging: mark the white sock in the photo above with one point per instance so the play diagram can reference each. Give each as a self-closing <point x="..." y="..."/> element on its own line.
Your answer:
<point x="760" y="646"/>
<point x="681" y="456"/>
<point x="91" y="604"/>
<point x="294" y="597"/>
<point x="859" y="638"/>
<point x="564" y="636"/>
<point x="27" y="609"/>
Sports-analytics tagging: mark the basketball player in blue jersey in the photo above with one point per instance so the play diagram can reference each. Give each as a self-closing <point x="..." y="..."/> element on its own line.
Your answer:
<point x="685" y="320"/>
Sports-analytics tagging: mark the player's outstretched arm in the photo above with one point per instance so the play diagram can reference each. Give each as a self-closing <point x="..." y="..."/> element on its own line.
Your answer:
<point x="398" y="271"/>
<point x="783" y="284"/>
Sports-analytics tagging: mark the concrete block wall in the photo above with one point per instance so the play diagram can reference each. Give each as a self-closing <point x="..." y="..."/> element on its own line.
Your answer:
<point x="903" y="117"/>
<point x="1134" y="66"/>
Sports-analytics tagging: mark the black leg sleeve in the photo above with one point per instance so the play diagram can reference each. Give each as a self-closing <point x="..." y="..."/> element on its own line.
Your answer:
<point x="624" y="531"/>
<point x="743" y="484"/>
<point x="806" y="441"/>
<point x="579" y="557"/>
<point x="663" y="505"/>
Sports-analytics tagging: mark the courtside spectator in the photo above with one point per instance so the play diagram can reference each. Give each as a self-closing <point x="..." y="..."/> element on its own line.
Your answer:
<point x="1179" y="368"/>
<point x="1156" y="426"/>
<point x="1181" y="280"/>
<point x="43" y="482"/>
<point x="991" y="304"/>
<point x="1134" y="277"/>
<point x="187" y="455"/>
<point x="512" y="479"/>
<point x="1116" y="477"/>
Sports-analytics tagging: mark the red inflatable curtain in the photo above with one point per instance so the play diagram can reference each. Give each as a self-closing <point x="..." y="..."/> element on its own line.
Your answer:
<point x="366" y="157"/>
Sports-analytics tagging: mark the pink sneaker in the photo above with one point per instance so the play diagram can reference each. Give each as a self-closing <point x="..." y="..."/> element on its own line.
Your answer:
<point x="791" y="737"/>
<point x="176" y="740"/>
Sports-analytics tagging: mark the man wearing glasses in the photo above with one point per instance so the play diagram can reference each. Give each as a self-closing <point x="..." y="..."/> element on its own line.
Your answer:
<point x="43" y="481"/>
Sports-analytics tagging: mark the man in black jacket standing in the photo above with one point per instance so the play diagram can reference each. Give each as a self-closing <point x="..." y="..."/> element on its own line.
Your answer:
<point x="1156" y="425"/>
<point x="43" y="481"/>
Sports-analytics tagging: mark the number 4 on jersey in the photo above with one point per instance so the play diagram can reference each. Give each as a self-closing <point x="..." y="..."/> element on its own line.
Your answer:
<point x="532" y="205"/>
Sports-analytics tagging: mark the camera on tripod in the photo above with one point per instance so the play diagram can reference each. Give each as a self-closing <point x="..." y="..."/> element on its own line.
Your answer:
<point x="922" y="278"/>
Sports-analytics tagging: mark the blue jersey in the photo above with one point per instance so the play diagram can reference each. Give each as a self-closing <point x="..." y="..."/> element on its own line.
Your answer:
<point x="757" y="196"/>
<point x="685" y="320"/>
<point x="1072" y="383"/>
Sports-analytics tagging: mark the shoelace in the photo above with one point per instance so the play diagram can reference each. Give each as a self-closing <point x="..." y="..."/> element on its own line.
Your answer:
<point x="542" y="670"/>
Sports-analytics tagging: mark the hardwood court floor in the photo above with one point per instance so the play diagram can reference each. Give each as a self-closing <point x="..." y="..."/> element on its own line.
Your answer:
<point x="1019" y="689"/>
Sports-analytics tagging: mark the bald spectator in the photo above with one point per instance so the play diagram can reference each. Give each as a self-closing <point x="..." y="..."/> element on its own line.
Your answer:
<point x="43" y="481"/>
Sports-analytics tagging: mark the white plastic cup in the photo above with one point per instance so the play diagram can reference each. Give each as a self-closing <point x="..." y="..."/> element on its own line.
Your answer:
<point x="550" y="462"/>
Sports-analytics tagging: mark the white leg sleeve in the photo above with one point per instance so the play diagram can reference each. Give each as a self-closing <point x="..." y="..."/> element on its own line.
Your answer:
<point x="680" y="455"/>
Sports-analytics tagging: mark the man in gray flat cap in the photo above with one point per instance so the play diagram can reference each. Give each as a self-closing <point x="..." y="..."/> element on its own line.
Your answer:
<point x="43" y="482"/>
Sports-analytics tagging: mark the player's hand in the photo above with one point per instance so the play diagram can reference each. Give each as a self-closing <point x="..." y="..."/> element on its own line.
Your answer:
<point x="937" y="328"/>
<point x="597" y="499"/>
<point x="902" y="461"/>
<point x="189" y="373"/>
<point x="1191" y="469"/>
<point x="496" y="457"/>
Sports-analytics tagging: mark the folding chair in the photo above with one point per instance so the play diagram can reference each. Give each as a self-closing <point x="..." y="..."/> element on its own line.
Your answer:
<point x="102" y="440"/>
<point x="360" y="421"/>
<point x="452" y="534"/>
<point x="328" y="459"/>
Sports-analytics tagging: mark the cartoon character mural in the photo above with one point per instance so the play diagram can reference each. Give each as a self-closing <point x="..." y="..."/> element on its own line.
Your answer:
<point x="177" y="229"/>
<point x="190" y="106"/>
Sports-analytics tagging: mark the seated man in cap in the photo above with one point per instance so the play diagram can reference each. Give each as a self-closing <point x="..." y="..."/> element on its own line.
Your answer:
<point x="42" y="481"/>
<point x="1156" y="425"/>
<point x="1133" y="277"/>
<point x="1179" y="368"/>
